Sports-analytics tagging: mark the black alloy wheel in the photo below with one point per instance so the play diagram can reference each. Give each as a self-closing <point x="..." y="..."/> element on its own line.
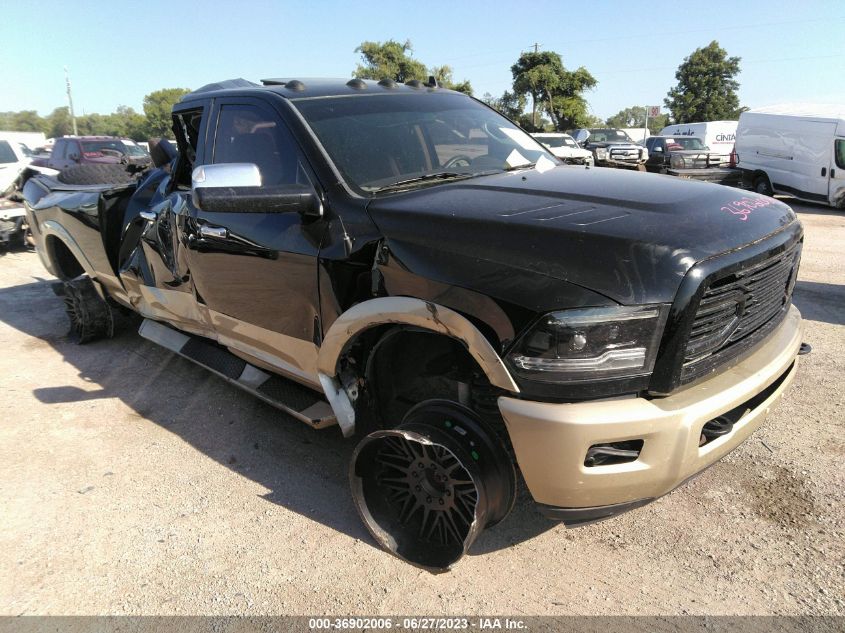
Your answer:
<point x="429" y="487"/>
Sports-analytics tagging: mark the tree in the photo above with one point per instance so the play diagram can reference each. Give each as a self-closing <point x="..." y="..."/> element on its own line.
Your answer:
<point x="58" y="123"/>
<point x="706" y="89"/>
<point x="392" y="60"/>
<point x="509" y="104"/>
<point x="157" y="107"/>
<point x="389" y="60"/>
<point x="555" y="89"/>
<point x="132" y="124"/>
<point x="124" y="122"/>
<point x="591" y="120"/>
<point x="512" y="106"/>
<point x="23" y="121"/>
<point x="635" y="117"/>
<point x="443" y="75"/>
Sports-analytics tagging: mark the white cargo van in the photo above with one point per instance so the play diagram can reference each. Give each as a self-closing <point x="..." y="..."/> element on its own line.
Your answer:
<point x="719" y="136"/>
<point x="798" y="150"/>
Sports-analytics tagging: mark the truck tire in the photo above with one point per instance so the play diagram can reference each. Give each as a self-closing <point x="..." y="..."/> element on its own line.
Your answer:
<point x="90" y="316"/>
<point x="427" y="488"/>
<point x="96" y="174"/>
<point x="762" y="185"/>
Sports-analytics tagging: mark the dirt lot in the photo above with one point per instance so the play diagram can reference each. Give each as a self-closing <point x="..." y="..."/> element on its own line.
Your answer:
<point x="132" y="481"/>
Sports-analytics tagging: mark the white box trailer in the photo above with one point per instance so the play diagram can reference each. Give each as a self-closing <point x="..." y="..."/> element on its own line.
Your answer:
<point x="719" y="136"/>
<point x="637" y="134"/>
<point x="31" y="139"/>
<point x="796" y="150"/>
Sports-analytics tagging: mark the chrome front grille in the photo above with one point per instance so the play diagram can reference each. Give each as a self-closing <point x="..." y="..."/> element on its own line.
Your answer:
<point x="735" y="309"/>
<point x="624" y="154"/>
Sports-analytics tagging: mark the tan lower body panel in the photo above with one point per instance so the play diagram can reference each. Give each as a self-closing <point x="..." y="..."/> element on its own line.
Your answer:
<point x="551" y="440"/>
<point x="272" y="350"/>
<point x="293" y="356"/>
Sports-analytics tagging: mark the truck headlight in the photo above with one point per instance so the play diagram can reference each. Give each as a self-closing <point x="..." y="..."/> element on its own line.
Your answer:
<point x="677" y="162"/>
<point x="590" y="344"/>
<point x="601" y="153"/>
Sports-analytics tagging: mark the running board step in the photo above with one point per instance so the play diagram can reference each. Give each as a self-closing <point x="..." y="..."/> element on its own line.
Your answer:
<point x="300" y="402"/>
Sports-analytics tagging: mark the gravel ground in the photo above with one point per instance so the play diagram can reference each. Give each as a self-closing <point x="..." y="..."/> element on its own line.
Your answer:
<point x="133" y="482"/>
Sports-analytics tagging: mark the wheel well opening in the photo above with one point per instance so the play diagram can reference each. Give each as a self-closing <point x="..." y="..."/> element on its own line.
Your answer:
<point x="403" y="366"/>
<point x="64" y="261"/>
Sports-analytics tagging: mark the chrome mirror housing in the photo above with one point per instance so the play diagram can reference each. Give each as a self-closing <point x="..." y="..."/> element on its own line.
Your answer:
<point x="225" y="175"/>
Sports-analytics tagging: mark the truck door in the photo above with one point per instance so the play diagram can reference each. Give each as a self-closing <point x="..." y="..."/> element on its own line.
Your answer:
<point x="836" y="184"/>
<point x="656" y="154"/>
<point x="152" y="258"/>
<point x="58" y="157"/>
<point x="257" y="271"/>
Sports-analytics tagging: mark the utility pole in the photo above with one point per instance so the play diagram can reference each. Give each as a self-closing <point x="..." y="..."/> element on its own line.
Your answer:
<point x="533" y="101"/>
<point x="70" y="103"/>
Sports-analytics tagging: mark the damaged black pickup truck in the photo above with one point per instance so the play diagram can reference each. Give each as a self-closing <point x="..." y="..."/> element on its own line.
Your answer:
<point x="404" y="262"/>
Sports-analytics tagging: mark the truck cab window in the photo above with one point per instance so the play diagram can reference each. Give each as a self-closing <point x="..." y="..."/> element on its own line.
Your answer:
<point x="839" y="153"/>
<point x="247" y="134"/>
<point x="186" y="125"/>
<point x="6" y="153"/>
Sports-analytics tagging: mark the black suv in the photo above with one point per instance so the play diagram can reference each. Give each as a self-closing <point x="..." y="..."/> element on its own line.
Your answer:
<point x="405" y="263"/>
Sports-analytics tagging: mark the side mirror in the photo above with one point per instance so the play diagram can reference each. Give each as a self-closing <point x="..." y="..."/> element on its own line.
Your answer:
<point x="657" y="148"/>
<point x="74" y="157"/>
<point x="581" y="136"/>
<point x="225" y="175"/>
<point x="236" y="188"/>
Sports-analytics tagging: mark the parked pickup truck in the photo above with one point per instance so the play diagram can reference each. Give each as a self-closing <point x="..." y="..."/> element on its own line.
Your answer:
<point x="69" y="151"/>
<point x="689" y="157"/>
<point x="565" y="148"/>
<point x="405" y="263"/>
<point x="612" y="148"/>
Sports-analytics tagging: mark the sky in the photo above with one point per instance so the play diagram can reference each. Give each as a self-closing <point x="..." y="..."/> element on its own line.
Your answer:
<point x="117" y="52"/>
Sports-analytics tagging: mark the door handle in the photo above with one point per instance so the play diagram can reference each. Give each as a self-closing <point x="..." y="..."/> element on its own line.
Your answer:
<point x="213" y="231"/>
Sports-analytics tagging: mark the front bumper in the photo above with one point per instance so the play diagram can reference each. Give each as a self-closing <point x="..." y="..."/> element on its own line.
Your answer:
<point x="728" y="176"/>
<point x="621" y="164"/>
<point x="551" y="440"/>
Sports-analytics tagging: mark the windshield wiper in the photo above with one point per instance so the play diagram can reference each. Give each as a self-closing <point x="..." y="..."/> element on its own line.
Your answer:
<point x="523" y="166"/>
<point x="440" y="175"/>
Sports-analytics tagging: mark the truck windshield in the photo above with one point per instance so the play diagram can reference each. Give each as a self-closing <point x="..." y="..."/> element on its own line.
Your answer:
<point x="682" y="142"/>
<point x="605" y="135"/>
<point x="98" y="148"/>
<point x="379" y="140"/>
<point x="134" y="150"/>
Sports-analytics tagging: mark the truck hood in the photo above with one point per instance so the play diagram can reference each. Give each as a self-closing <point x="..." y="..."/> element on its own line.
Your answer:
<point x="570" y="152"/>
<point x="626" y="235"/>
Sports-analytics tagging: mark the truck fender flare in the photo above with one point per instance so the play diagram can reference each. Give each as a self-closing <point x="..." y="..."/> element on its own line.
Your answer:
<point x="417" y="313"/>
<point x="53" y="228"/>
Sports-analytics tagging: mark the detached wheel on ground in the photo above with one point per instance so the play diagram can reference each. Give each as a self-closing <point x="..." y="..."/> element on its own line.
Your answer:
<point x="91" y="318"/>
<point x="96" y="174"/>
<point x="762" y="186"/>
<point x="427" y="488"/>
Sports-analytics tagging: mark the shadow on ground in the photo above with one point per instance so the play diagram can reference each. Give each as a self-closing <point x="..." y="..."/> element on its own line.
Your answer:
<point x="304" y="470"/>
<point x="820" y="301"/>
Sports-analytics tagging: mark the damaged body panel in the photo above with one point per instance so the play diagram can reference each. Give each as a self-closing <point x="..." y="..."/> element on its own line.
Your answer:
<point x="403" y="262"/>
